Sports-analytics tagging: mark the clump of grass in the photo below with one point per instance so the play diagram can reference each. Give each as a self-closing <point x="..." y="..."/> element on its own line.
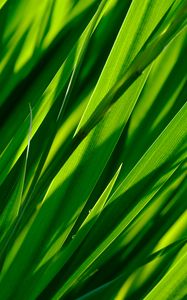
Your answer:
<point x="93" y="122"/>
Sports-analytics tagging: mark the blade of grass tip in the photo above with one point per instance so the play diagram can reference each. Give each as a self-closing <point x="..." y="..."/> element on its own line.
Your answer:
<point x="50" y="270"/>
<point x="92" y="216"/>
<point x="78" y="62"/>
<point x="12" y="210"/>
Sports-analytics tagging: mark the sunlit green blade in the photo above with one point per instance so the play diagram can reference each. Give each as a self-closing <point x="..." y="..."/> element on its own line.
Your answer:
<point x="152" y="114"/>
<point x="173" y="285"/>
<point x="2" y="2"/>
